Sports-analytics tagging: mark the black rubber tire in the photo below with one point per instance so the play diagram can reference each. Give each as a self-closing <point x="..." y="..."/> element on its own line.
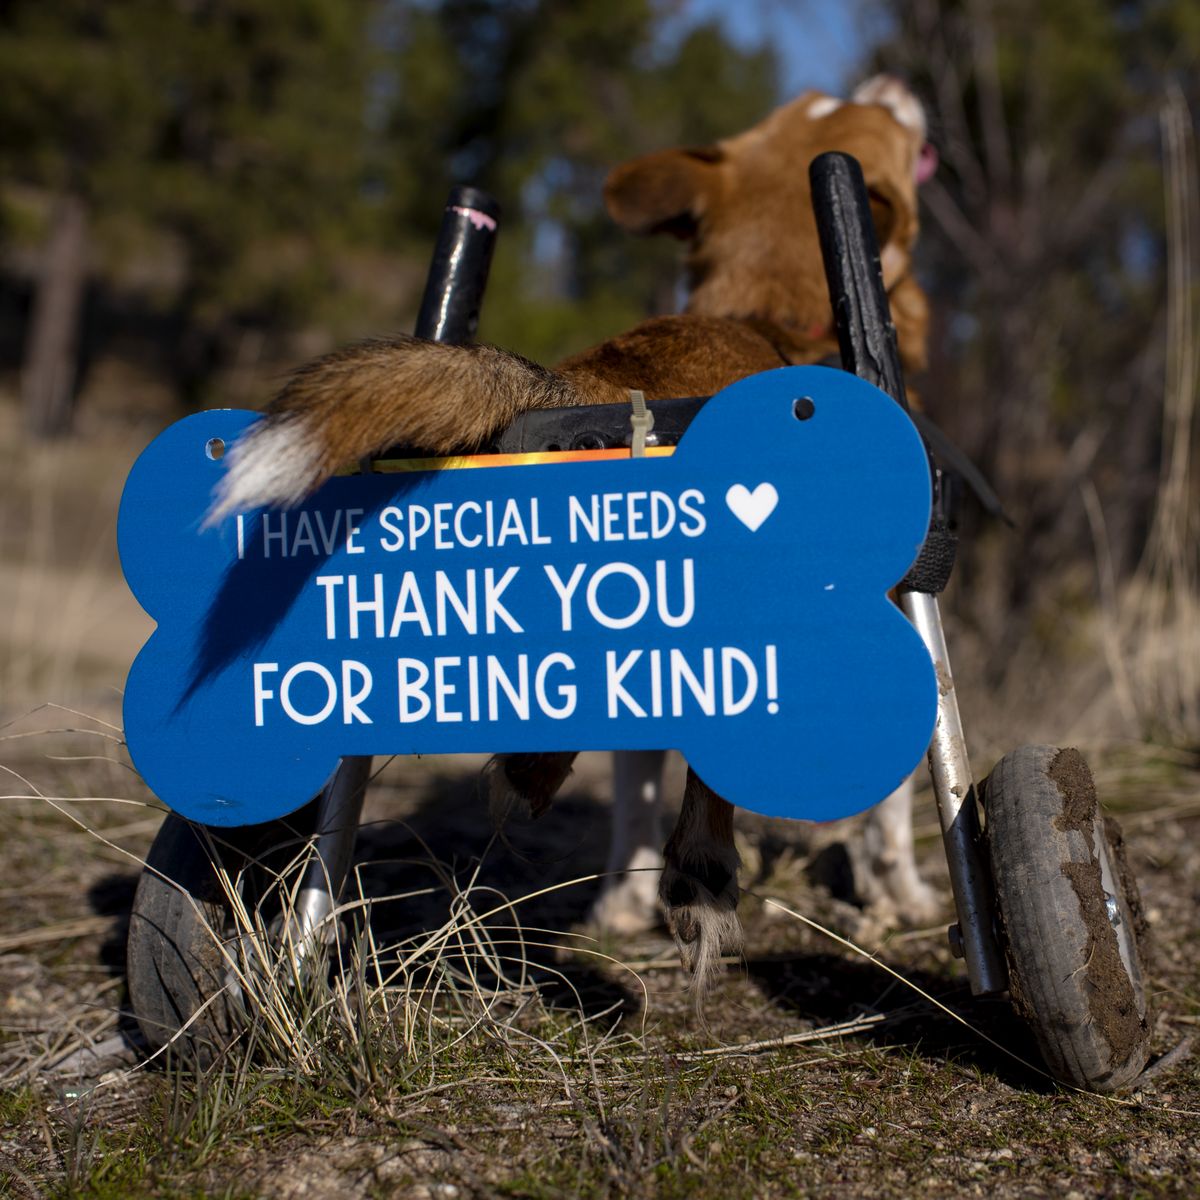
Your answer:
<point x="182" y="931"/>
<point x="1077" y="976"/>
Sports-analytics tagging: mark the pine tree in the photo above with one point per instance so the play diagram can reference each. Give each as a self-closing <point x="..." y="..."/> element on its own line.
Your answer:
<point x="268" y="142"/>
<point x="536" y="101"/>
<point x="233" y="125"/>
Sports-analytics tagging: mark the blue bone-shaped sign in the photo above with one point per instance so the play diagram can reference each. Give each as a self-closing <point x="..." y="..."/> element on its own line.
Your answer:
<point x="728" y="600"/>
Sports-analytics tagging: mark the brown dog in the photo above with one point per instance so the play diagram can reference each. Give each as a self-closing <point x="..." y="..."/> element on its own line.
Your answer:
<point x="757" y="301"/>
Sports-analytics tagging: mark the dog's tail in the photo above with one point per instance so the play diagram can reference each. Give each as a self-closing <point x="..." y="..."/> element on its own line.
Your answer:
<point x="359" y="401"/>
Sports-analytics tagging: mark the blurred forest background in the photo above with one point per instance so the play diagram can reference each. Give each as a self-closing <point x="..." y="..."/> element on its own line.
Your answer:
<point x="198" y="195"/>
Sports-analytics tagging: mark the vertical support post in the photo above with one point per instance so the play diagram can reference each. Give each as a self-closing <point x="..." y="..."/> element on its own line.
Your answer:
<point x="954" y="788"/>
<point x="867" y="340"/>
<point x="449" y="312"/>
<point x="462" y="257"/>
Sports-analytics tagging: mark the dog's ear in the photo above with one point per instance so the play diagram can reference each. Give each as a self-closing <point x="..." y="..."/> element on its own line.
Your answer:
<point x="895" y="227"/>
<point x="884" y="211"/>
<point x="662" y="192"/>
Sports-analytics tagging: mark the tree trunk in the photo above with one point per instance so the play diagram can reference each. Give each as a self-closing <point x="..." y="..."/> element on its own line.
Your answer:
<point x="49" y="371"/>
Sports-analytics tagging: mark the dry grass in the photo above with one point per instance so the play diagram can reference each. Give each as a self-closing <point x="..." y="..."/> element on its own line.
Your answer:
<point x="69" y="627"/>
<point x="473" y="1044"/>
<point x="1151" y="628"/>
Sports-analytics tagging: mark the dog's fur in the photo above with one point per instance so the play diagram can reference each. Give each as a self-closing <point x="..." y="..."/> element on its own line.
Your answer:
<point x="757" y="300"/>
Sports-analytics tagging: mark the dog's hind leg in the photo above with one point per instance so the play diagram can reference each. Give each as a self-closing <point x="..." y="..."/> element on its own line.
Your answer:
<point x="628" y="901"/>
<point x="699" y="887"/>
<point x="528" y="781"/>
<point x="885" y="864"/>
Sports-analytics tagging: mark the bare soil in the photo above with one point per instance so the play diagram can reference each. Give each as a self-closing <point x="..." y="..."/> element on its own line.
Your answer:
<point x="653" y="1100"/>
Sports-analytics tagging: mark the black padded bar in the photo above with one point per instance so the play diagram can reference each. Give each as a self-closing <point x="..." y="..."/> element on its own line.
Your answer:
<point x="458" y="273"/>
<point x="594" y="427"/>
<point x="866" y="335"/>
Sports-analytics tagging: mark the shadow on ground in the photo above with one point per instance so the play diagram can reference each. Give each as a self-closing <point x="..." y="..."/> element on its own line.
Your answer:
<point x="432" y="839"/>
<point x="826" y="989"/>
<point x="112" y="896"/>
<point x="446" y="842"/>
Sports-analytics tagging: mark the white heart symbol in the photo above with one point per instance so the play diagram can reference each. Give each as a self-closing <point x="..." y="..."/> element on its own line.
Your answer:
<point x="752" y="508"/>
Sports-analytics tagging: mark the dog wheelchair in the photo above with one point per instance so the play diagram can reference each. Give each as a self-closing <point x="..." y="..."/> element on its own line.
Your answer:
<point x="1047" y="910"/>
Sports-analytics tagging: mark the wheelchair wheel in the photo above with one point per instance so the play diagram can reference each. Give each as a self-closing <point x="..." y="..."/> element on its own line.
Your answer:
<point x="188" y="936"/>
<point x="1070" y="918"/>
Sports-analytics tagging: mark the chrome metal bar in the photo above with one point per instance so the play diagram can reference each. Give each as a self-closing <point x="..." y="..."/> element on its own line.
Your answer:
<point x="449" y="313"/>
<point x="956" y="801"/>
<point x="338" y="812"/>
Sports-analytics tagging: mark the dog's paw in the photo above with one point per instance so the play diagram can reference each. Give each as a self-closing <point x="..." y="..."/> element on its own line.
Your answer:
<point x="915" y="902"/>
<point x="628" y="903"/>
<point x="700" y="899"/>
<point x="898" y="897"/>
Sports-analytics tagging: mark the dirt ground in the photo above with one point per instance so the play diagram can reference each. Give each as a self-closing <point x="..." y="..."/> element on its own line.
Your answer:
<point x="610" y="1084"/>
<point x="811" y="1070"/>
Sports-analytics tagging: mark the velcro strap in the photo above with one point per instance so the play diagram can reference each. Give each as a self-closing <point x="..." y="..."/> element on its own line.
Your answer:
<point x="931" y="572"/>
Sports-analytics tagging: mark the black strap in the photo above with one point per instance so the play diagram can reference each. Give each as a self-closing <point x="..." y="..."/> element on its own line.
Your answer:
<point x="954" y="459"/>
<point x="931" y="572"/>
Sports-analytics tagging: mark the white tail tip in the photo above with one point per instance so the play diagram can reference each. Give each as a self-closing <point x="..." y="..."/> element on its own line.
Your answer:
<point x="276" y="464"/>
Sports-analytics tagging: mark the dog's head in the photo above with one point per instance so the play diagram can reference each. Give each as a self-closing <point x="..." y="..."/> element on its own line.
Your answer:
<point x="745" y="206"/>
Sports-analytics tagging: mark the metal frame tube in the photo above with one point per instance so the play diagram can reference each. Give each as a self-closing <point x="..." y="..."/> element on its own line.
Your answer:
<point x="338" y="816"/>
<point x="449" y="313"/>
<point x="867" y="340"/>
<point x="954" y="788"/>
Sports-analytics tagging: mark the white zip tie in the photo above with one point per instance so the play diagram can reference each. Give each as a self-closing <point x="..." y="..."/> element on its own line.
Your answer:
<point x="642" y="421"/>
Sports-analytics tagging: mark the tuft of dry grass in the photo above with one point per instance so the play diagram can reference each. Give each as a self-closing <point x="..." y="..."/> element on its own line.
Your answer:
<point x="1152" y="626"/>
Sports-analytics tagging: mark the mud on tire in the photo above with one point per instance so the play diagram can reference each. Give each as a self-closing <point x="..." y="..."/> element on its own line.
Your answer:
<point x="1070" y="918"/>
